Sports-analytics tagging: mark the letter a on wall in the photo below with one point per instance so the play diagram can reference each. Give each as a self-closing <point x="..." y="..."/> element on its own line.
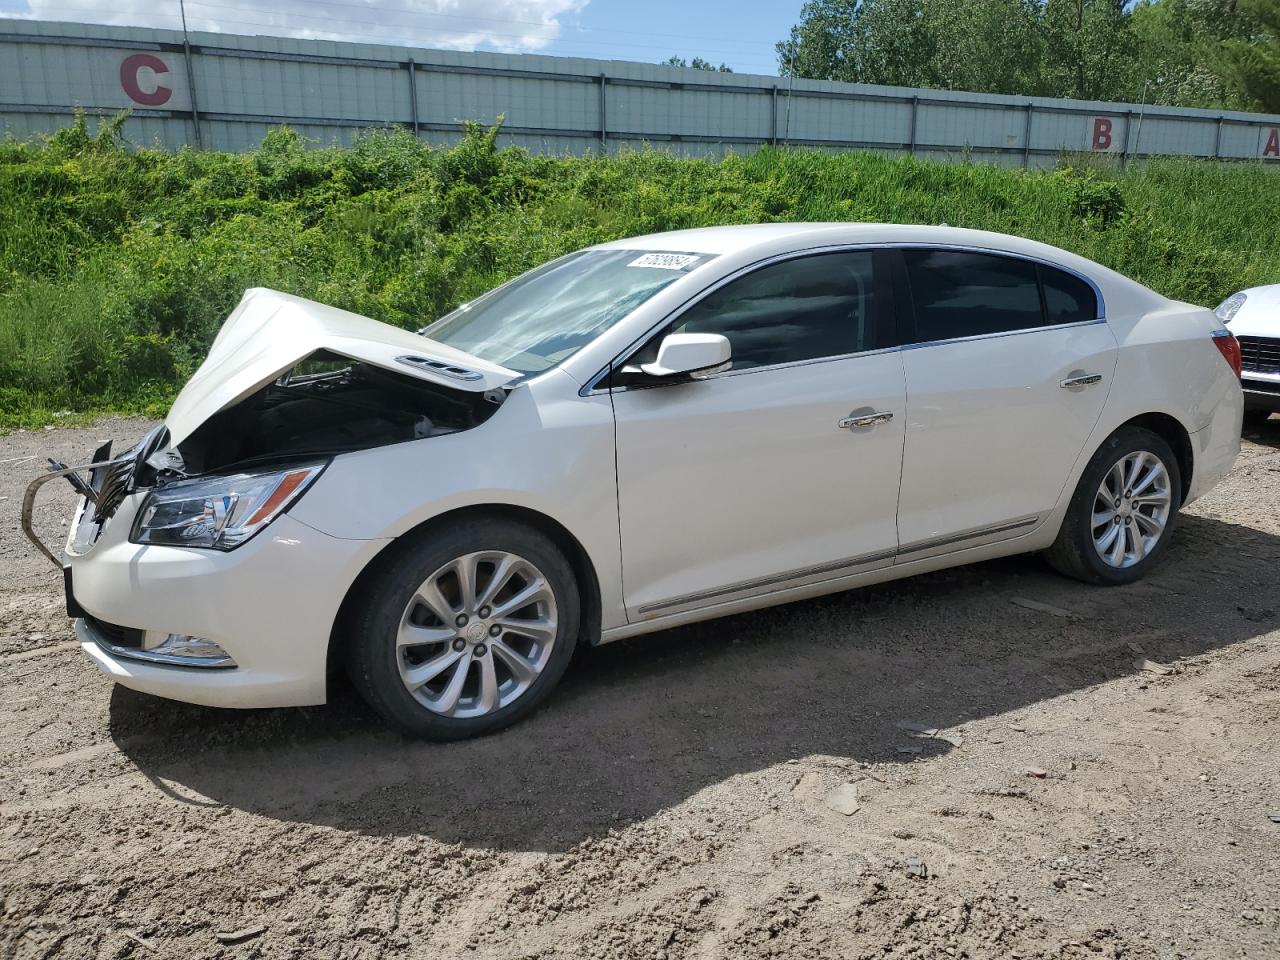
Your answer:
<point x="1272" y="148"/>
<point x="139" y="68"/>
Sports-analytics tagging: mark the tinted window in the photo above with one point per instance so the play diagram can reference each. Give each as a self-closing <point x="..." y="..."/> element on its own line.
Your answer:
<point x="802" y="309"/>
<point x="961" y="294"/>
<point x="1067" y="298"/>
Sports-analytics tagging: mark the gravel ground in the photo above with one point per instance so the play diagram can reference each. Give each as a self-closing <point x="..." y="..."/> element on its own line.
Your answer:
<point x="687" y="795"/>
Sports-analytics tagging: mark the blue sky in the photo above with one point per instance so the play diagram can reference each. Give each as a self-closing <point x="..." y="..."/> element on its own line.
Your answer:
<point x="741" y="33"/>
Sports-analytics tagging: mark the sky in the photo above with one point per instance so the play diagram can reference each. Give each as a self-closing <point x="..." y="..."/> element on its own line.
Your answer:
<point x="740" y="34"/>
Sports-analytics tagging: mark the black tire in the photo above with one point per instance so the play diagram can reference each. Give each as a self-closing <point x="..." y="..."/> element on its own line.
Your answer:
<point x="1256" y="418"/>
<point x="1073" y="553"/>
<point x="374" y="661"/>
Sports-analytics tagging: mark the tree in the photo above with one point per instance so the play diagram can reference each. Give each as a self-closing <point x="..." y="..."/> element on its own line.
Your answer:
<point x="1178" y="57"/>
<point x="697" y="63"/>
<point x="982" y="45"/>
<point x="1089" y="48"/>
<point x="1253" y="64"/>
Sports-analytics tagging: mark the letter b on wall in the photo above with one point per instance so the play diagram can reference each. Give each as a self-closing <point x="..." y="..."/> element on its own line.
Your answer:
<point x="1101" y="133"/>
<point x="144" y="68"/>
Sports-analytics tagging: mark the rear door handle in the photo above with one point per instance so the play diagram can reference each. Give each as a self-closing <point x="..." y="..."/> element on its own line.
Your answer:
<point x="864" y="420"/>
<point x="1083" y="380"/>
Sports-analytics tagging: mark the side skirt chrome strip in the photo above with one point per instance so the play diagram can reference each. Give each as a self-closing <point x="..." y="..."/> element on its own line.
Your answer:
<point x="922" y="545"/>
<point x="837" y="569"/>
<point x="781" y="581"/>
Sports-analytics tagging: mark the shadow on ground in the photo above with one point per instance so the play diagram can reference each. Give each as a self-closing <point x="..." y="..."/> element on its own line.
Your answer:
<point x="641" y="726"/>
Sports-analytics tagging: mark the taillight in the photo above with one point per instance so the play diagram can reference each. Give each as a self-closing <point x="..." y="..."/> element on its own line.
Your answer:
<point x="1229" y="347"/>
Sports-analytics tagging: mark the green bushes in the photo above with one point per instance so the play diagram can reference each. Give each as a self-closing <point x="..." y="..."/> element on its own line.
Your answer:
<point x="118" y="265"/>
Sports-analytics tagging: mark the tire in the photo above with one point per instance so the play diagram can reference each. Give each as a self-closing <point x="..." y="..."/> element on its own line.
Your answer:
<point x="470" y="683"/>
<point x="1256" y="418"/>
<point x="1075" y="552"/>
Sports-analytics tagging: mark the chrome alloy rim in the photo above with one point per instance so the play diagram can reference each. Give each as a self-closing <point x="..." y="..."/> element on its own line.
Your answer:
<point x="1131" y="509"/>
<point x="476" y="634"/>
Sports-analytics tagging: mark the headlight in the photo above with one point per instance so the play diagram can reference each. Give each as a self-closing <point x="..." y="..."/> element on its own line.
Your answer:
<point x="219" y="513"/>
<point x="1229" y="307"/>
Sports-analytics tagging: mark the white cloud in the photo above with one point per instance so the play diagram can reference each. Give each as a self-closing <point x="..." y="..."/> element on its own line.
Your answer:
<point x="506" y="25"/>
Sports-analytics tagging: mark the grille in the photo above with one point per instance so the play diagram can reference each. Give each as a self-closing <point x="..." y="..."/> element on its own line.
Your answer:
<point x="115" y="635"/>
<point x="1260" y="353"/>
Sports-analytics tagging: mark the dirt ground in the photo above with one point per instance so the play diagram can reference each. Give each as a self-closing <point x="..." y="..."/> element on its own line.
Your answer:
<point x="678" y="797"/>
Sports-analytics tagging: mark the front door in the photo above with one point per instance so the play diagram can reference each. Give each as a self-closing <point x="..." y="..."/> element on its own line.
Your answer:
<point x="780" y="472"/>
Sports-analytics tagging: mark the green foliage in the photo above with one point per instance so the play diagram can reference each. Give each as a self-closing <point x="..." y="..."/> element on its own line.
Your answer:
<point x="697" y="63"/>
<point x="117" y="266"/>
<point x="1222" y="54"/>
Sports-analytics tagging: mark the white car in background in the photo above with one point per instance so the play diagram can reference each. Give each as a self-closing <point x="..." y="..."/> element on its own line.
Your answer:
<point x="1254" y="317"/>
<point x="638" y="435"/>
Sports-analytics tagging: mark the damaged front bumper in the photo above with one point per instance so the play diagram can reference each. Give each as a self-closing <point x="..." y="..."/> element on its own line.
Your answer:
<point x="265" y="610"/>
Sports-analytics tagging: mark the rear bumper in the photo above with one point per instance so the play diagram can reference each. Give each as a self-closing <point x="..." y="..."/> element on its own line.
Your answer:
<point x="1215" y="447"/>
<point x="270" y="604"/>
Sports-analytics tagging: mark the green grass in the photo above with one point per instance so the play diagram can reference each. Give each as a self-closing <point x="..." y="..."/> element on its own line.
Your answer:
<point x="117" y="265"/>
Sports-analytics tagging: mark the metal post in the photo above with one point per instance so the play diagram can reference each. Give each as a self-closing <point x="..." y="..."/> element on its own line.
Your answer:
<point x="773" y="123"/>
<point x="604" y="125"/>
<point x="915" y="110"/>
<point x="1124" y="148"/>
<point x="1217" y="140"/>
<point x="413" y="93"/>
<point x="191" y="77"/>
<point x="1026" y="138"/>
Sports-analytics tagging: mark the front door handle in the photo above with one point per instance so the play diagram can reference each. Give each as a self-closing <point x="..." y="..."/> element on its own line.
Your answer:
<point x="864" y="420"/>
<point x="1083" y="380"/>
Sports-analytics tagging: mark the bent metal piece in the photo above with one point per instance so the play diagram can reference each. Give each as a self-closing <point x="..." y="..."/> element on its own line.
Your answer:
<point x="33" y="488"/>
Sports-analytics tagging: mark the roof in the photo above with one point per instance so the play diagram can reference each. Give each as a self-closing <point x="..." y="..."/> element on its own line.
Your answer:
<point x="739" y="238"/>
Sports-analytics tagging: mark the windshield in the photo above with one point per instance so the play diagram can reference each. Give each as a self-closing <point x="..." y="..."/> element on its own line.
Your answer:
<point x="546" y="315"/>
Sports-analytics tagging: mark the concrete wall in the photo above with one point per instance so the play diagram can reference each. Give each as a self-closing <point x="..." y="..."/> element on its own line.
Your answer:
<point x="234" y="89"/>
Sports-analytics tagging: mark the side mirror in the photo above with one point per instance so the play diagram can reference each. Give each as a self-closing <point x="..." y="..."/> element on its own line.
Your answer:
<point x="692" y="354"/>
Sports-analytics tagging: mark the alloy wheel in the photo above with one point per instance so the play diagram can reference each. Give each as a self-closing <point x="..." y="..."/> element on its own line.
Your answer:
<point x="1131" y="509"/>
<point x="476" y="634"/>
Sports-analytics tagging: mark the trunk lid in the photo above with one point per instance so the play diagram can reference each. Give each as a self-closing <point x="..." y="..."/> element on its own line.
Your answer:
<point x="270" y="332"/>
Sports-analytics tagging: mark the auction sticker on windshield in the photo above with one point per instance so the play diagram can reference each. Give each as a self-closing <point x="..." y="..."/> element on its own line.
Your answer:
<point x="666" y="261"/>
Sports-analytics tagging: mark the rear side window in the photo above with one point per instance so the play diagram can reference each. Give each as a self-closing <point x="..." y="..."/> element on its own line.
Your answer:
<point x="961" y="294"/>
<point x="1067" y="298"/>
<point x="801" y="309"/>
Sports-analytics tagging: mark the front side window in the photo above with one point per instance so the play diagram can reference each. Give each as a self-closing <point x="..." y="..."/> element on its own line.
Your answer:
<point x="961" y="294"/>
<point x="802" y="309"/>
<point x="545" y="316"/>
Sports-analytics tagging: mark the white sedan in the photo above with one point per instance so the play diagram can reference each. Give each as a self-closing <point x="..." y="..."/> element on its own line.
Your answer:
<point x="1254" y="317"/>
<point x="638" y="435"/>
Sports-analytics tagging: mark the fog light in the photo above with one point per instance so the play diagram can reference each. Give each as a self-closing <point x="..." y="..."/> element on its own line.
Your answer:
<point x="195" y="651"/>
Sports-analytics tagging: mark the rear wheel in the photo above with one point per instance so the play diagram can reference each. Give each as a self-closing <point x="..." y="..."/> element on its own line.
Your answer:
<point x="467" y="630"/>
<point x="1122" y="514"/>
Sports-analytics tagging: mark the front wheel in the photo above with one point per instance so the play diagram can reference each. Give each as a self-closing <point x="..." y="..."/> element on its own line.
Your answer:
<point x="1122" y="514"/>
<point x="466" y="630"/>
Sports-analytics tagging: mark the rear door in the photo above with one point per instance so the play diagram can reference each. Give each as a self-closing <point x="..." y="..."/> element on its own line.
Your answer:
<point x="1008" y="363"/>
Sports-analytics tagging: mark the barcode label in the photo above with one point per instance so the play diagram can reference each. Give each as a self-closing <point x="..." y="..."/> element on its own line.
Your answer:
<point x="665" y="261"/>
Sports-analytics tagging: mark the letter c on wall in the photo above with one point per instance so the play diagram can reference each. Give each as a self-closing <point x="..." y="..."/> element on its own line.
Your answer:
<point x="129" y="71"/>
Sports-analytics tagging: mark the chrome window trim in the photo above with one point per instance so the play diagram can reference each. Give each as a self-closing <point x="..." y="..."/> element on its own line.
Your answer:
<point x="593" y="384"/>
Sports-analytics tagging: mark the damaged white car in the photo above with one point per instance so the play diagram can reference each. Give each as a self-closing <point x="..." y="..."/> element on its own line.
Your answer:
<point x="634" y="436"/>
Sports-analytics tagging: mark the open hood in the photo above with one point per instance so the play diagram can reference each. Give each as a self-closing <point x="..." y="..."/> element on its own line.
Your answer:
<point x="270" y="332"/>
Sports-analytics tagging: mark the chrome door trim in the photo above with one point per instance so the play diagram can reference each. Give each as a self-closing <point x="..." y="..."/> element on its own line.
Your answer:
<point x="932" y="544"/>
<point x="835" y="570"/>
<point x="593" y="384"/>
<point x="782" y="581"/>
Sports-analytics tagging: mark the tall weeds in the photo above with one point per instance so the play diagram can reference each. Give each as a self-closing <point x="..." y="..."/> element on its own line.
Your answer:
<point x="117" y="265"/>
